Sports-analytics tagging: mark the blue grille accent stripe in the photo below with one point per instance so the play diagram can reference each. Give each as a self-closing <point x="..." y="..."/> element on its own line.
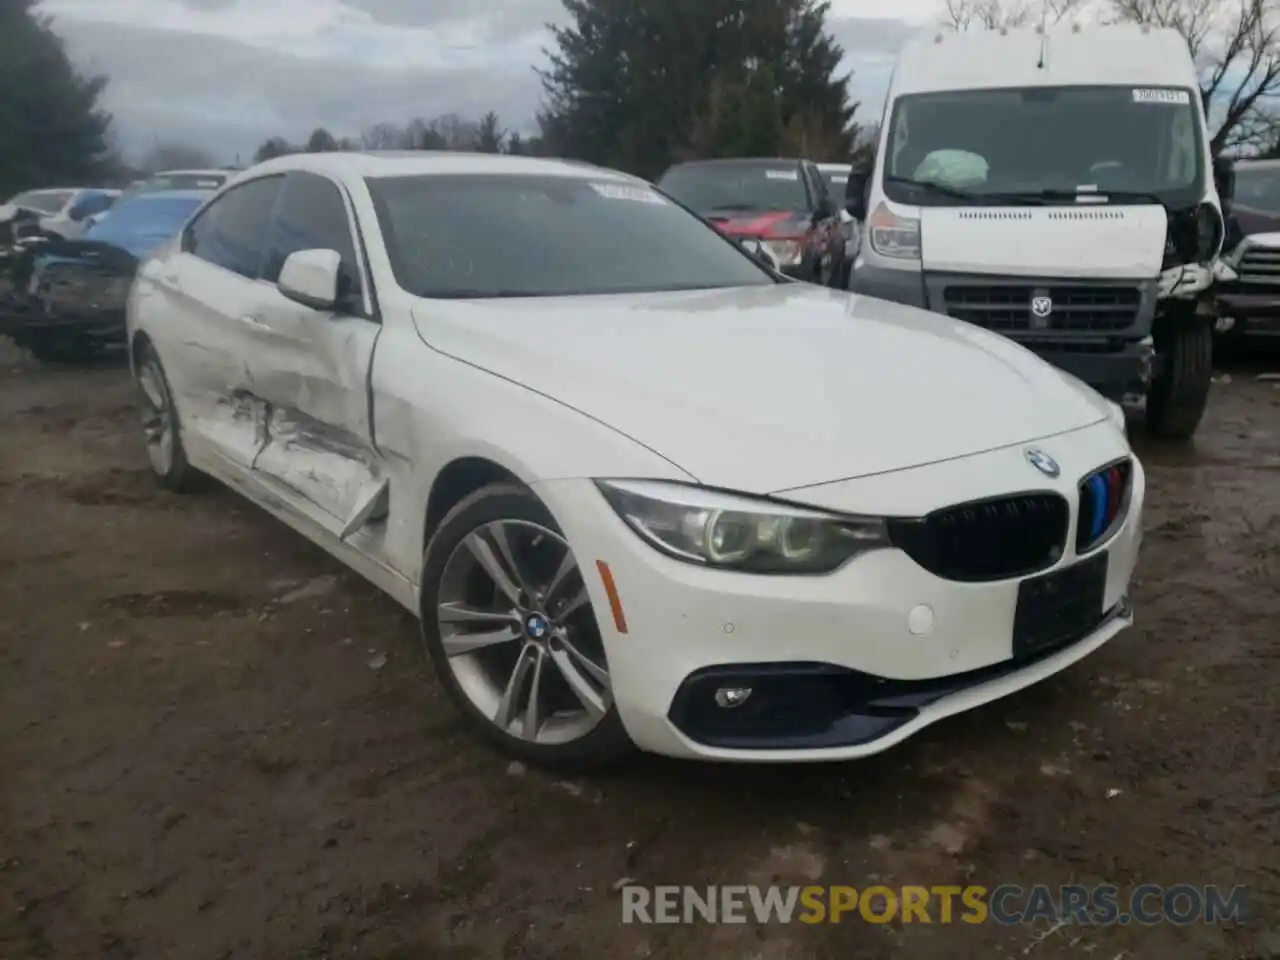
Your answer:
<point x="1098" y="487"/>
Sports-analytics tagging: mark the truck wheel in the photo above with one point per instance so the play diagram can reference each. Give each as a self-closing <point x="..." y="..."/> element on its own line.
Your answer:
<point x="1180" y="393"/>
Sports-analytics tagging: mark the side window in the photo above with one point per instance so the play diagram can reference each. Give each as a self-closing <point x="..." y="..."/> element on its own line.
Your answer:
<point x="230" y="232"/>
<point x="312" y="216"/>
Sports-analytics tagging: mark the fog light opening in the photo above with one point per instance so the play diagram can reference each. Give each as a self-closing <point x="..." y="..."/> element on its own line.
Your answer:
<point x="729" y="697"/>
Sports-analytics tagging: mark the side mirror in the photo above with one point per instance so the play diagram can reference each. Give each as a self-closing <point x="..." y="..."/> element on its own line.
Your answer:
<point x="1224" y="178"/>
<point x="79" y="210"/>
<point x="855" y="193"/>
<point x="310" y="277"/>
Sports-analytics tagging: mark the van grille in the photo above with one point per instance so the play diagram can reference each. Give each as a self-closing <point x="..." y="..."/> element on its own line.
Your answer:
<point x="1006" y="308"/>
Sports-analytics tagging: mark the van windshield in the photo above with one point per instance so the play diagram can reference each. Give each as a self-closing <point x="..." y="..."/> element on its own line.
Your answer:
<point x="993" y="145"/>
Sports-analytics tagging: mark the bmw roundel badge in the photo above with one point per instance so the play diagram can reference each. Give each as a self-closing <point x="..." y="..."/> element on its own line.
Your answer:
<point x="1042" y="461"/>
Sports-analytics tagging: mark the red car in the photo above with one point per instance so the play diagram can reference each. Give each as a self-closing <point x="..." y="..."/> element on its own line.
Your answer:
<point x="782" y="203"/>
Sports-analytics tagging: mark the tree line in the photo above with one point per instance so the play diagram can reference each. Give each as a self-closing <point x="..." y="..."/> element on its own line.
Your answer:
<point x="639" y="84"/>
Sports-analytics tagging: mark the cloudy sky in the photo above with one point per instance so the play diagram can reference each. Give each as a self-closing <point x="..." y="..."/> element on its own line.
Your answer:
<point x="226" y="74"/>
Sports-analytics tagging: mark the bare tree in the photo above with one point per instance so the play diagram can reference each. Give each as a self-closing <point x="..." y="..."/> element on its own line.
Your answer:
<point x="997" y="15"/>
<point x="1236" y="47"/>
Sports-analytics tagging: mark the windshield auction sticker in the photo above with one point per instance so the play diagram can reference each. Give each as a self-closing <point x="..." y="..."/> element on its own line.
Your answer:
<point x="619" y="191"/>
<point x="1161" y="96"/>
<point x="781" y="175"/>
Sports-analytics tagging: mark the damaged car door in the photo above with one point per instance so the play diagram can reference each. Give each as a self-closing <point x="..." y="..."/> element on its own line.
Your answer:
<point x="311" y="367"/>
<point x="208" y="290"/>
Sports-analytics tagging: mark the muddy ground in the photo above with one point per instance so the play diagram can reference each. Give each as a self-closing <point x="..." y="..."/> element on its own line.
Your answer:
<point x="215" y="743"/>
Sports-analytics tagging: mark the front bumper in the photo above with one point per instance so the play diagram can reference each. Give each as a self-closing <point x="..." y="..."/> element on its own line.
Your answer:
<point x="857" y="630"/>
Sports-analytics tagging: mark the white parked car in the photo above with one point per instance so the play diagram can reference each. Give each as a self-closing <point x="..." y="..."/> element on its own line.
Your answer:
<point x="639" y="489"/>
<point x="65" y="211"/>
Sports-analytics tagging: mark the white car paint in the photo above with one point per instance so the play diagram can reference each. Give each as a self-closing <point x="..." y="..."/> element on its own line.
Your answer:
<point x="844" y="405"/>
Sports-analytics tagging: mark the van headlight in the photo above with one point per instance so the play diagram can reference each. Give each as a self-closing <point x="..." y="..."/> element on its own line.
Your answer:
<point x="735" y="532"/>
<point x="893" y="236"/>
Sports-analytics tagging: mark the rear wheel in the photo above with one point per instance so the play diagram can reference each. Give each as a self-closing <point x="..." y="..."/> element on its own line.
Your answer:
<point x="1180" y="393"/>
<point x="510" y="631"/>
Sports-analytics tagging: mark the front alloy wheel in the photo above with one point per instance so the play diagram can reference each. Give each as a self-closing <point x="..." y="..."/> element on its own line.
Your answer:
<point x="159" y="418"/>
<point x="509" y="625"/>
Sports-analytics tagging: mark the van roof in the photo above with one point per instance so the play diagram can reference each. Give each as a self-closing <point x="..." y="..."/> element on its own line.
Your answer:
<point x="1113" y="55"/>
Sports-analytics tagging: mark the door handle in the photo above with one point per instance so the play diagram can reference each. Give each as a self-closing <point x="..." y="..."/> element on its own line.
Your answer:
<point x="249" y="320"/>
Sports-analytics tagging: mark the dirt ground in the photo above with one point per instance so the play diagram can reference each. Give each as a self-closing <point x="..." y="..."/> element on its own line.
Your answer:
<point x="216" y="743"/>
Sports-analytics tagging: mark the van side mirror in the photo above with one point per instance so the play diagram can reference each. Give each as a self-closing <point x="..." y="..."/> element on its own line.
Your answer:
<point x="1224" y="178"/>
<point x="855" y="193"/>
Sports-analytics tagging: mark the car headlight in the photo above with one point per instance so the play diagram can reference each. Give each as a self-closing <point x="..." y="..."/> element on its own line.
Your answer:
<point x="894" y="236"/>
<point x="735" y="532"/>
<point x="788" y="252"/>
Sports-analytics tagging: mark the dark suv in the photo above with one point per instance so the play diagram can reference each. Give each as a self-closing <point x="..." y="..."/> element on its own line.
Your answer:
<point x="782" y="203"/>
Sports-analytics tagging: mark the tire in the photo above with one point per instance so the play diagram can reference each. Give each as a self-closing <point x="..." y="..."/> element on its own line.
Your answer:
<point x="162" y="431"/>
<point x="1179" y="395"/>
<point x="478" y="679"/>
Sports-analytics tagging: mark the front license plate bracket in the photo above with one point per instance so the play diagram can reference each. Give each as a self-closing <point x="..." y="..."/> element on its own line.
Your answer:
<point x="1058" y="608"/>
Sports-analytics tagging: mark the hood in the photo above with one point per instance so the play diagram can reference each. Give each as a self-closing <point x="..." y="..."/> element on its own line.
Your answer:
<point x="1120" y="242"/>
<point x="755" y="223"/>
<point x="765" y="389"/>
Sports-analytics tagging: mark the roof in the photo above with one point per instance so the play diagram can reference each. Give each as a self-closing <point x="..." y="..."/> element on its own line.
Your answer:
<point x="730" y="161"/>
<point x="173" y="195"/>
<point x="402" y="163"/>
<point x="212" y="172"/>
<point x="1112" y="55"/>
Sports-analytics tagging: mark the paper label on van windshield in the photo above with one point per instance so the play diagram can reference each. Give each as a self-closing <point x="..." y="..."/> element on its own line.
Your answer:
<point x="621" y="191"/>
<point x="1161" y="96"/>
<point x="781" y="175"/>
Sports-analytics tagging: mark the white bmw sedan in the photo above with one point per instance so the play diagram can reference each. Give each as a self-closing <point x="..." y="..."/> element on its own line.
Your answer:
<point x="639" y="490"/>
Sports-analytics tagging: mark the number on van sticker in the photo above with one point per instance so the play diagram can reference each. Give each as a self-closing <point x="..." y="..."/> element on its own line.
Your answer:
<point x="1161" y="96"/>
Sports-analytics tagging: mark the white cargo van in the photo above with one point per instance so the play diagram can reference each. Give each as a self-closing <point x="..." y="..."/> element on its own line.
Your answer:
<point x="1057" y="187"/>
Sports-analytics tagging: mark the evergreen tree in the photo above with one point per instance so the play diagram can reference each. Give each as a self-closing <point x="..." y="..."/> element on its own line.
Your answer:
<point x="51" y="128"/>
<point x="490" y="137"/>
<point x="637" y="84"/>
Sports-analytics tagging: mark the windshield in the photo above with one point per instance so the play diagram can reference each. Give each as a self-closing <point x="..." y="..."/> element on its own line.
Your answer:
<point x="1058" y="139"/>
<point x="46" y="201"/>
<point x="546" y="236"/>
<point x="725" y="187"/>
<point x="1258" y="188"/>
<point x="145" y="217"/>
